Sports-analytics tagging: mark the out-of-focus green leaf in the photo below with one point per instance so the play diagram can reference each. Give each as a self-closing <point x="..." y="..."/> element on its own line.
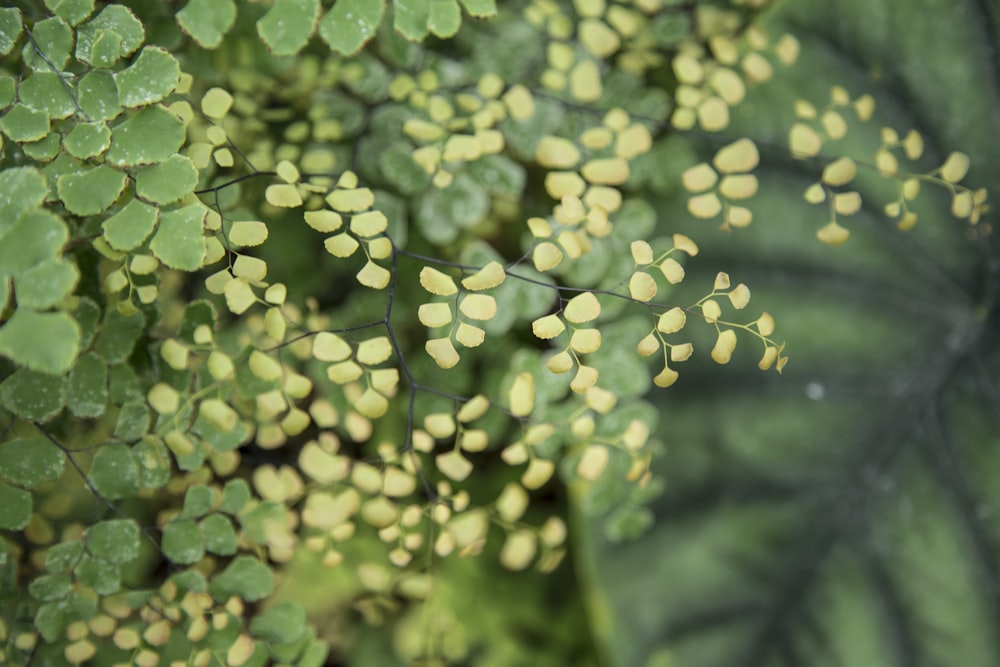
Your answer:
<point x="829" y="516"/>
<point x="51" y="587"/>
<point x="220" y="537"/>
<point x="118" y="336"/>
<point x="283" y="623"/>
<point x="349" y="24"/>
<point x="46" y="342"/>
<point x="114" y="472"/>
<point x="245" y="577"/>
<point x="288" y="25"/>
<point x="133" y="421"/>
<point x="183" y="542"/>
<point x="100" y="574"/>
<point x="198" y="502"/>
<point x="207" y="21"/>
<point x="33" y="395"/>
<point x="235" y="495"/>
<point x="28" y="462"/>
<point x="15" y="507"/>
<point x="63" y="556"/>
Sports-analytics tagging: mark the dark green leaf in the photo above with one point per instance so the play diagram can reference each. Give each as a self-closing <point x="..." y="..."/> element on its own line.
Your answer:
<point x="283" y="623"/>
<point x="245" y="577"/>
<point x="103" y="576"/>
<point x="397" y="165"/>
<point x="51" y="587"/>
<point x="124" y="384"/>
<point x="8" y="88"/>
<point x="46" y="284"/>
<point x="114" y="472"/>
<point x="87" y="387"/>
<point x="10" y="28"/>
<point x="22" y="123"/>
<point x="92" y="191"/>
<point x="153" y="459"/>
<point x="190" y="580"/>
<point x="443" y="211"/>
<point x="196" y="314"/>
<point x="48" y="92"/>
<point x="28" y="462"/>
<point x="288" y="25"/>
<point x="149" y="136"/>
<point x="129" y="227"/>
<point x="114" y="540"/>
<point x="118" y="335"/>
<point x="207" y="21"/>
<point x="87" y="315"/>
<point x="149" y="79"/>
<point x="46" y="342"/>
<point x="179" y="242"/>
<point x="52" y="618"/>
<point x="33" y="395"/>
<point x="15" y="507"/>
<point x="63" y="556"/>
<point x="168" y="181"/>
<point x="350" y="24"/>
<point x="235" y="495"/>
<point x="183" y="542"/>
<point x="498" y="174"/>
<point x="220" y="537"/>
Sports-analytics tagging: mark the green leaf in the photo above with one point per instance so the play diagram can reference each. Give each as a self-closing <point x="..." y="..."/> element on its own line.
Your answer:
<point x="87" y="386"/>
<point x="196" y="314"/>
<point x="288" y="25"/>
<point x="8" y="89"/>
<point x="220" y="537"/>
<point x="45" y="149"/>
<point x="23" y="188"/>
<point x="52" y="43"/>
<point x="87" y="315"/>
<point x="283" y="623"/>
<point x="114" y="472"/>
<point x="103" y="576"/>
<point x="118" y="335"/>
<point x="396" y="164"/>
<point x="22" y="123"/>
<point x="124" y="383"/>
<point x="51" y="587"/>
<point x="190" y="580"/>
<point x="113" y="19"/>
<point x="179" y="242"/>
<point x="444" y="17"/>
<point x="71" y="11"/>
<point x="35" y="237"/>
<point x="168" y="181"/>
<point x="149" y="79"/>
<point x="498" y="174"/>
<point x="52" y="618"/>
<point x="47" y="284"/>
<point x="350" y="24"/>
<point x="183" y="542"/>
<point x="15" y="507"/>
<point x="480" y="8"/>
<point x="131" y="226"/>
<point x="33" y="395"/>
<point x="10" y="28"/>
<point x="442" y="211"/>
<point x="105" y="50"/>
<point x="207" y="21"/>
<point x="114" y="540"/>
<point x="235" y="495"/>
<point x="245" y="577"/>
<point x="411" y="17"/>
<point x="198" y="501"/>
<point x="98" y="96"/>
<point x="149" y="136"/>
<point x="63" y="556"/>
<point x="48" y="92"/>
<point x="28" y="462"/>
<point x="153" y="459"/>
<point x="133" y="422"/>
<point x="92" y="191"/>
<point x="46" y="342"/>
<point x="87" y="140"/>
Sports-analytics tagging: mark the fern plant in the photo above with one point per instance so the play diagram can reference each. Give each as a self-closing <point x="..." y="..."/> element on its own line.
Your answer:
<point x="290" y="288"/>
